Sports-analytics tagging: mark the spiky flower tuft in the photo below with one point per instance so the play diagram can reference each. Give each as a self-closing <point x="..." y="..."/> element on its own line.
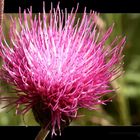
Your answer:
<point x="58" y="64"/>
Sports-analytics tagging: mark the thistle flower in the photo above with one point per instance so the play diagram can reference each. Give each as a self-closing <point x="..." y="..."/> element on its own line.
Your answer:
<point x="58" y="64"/>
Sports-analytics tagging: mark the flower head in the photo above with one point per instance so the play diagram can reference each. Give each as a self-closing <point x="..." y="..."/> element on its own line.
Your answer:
<point x="58" y="64"/>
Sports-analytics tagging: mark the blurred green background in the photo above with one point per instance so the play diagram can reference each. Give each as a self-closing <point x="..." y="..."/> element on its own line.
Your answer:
<point x="125" y="107"/>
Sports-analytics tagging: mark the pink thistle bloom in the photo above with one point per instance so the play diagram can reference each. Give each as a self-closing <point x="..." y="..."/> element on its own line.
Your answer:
<point x="57" y="65"/>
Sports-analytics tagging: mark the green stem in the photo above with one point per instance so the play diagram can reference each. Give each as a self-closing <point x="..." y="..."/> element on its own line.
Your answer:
<point x="123" y="108"/>
<point x="43" y="133"/>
